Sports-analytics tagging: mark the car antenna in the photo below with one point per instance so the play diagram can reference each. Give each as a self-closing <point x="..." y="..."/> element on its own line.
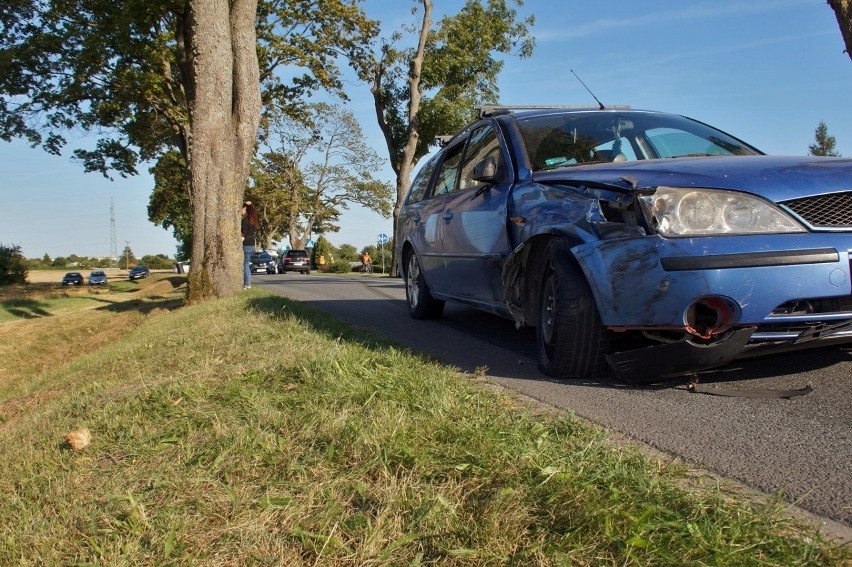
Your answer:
<point x="588" y="89"/>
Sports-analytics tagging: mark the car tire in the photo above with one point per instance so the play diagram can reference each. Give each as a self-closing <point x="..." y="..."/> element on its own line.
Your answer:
<point x="307" y="272"/>
<point x="421" y="304"/>
<point x="571" y="340"/>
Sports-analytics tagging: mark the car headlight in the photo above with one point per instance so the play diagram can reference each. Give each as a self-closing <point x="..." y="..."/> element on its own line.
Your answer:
<point x="677" y="211"/>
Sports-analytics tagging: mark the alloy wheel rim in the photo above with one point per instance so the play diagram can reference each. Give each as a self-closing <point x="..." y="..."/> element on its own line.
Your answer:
<point x="413" y="274"/>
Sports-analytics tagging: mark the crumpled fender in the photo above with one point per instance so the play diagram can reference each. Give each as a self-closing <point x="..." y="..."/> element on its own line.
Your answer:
<point x="513" y="282"/>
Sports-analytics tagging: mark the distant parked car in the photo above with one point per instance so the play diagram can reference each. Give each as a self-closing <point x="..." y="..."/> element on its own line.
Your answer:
<point x="262" y="262"/>
<point x="97" y="277"/>
<point x="73" y="278"/>
<point x="139" y="272"/>
<point x="295" y="261"/>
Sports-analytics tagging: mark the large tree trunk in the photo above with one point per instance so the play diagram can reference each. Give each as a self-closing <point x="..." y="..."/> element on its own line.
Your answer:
<point x="407" y="154"/>
<point x="843" y="12"/>
<point x="224" y="113"/>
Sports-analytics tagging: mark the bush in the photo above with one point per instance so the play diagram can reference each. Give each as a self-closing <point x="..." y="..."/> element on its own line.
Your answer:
<point x="13" y="265"/>
<point x="340" y="267"/>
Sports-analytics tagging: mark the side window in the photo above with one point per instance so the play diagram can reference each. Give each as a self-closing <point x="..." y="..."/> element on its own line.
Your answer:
<point x="447" y="174"/>
<point x="421" y="181"/>
<point x="482" y="144"/>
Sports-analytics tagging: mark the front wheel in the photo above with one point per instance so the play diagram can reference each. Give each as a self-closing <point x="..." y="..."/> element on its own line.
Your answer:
<point x="571" y="340"/>
<point x="421" y="304"/>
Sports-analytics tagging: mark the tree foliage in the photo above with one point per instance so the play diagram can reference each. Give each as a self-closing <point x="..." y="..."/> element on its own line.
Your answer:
<point x="150" y="76"/>
<point x="13" y="265"/>
<point x="430" y="88"/>
<point x="347" y="252"/>
<point x="314" y="169"/>
<point x="825" y="143"/>
<point x="322" y="248"/>
<point x="843" y="13"/>
<point x="127" y="259"/>
<point x="169" y="205"/>
<point x="121" y="69"/>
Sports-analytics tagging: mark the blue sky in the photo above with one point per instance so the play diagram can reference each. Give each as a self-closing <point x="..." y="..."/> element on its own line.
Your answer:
<point x="766" y="72"/>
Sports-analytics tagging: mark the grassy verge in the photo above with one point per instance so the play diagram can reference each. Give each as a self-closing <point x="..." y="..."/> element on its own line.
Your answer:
<point x="254" y="431"/>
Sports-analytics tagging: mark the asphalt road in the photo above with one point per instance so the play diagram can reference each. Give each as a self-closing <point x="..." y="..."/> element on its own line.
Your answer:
<point x="800" y="448"/>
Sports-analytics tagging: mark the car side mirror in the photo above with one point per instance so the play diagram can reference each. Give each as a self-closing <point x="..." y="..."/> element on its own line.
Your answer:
<point x="485" y="171"/>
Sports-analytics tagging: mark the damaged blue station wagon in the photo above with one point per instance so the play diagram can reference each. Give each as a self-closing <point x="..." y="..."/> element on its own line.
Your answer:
<point x="637" y="243"/>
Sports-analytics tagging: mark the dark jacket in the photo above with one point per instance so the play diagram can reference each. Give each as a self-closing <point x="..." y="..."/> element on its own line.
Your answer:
<point x="248" y="232"/>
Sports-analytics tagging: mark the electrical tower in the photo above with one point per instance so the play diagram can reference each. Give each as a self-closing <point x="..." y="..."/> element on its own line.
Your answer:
<point x="113" y="245"/>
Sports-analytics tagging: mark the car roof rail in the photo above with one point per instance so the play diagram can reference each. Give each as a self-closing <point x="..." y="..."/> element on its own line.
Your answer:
<point x="497" y="109"/>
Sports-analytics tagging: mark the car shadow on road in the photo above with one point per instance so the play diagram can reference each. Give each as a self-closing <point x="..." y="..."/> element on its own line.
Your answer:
<point x="785" y="366"/>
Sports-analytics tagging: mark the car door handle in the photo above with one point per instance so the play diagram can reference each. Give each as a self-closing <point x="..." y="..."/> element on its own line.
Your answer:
<point x="448" y="215"/>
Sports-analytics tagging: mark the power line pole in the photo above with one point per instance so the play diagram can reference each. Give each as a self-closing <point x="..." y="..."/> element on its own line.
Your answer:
<point x="113" y="243"/>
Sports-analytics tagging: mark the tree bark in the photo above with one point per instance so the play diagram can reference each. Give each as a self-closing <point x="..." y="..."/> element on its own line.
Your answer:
<point x="224" y="113"/>
<point x="843" y="12"/>
<point x="407" y="153"/>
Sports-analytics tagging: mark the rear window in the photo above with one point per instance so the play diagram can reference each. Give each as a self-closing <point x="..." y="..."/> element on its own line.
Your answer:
<point x="297" y="254"/>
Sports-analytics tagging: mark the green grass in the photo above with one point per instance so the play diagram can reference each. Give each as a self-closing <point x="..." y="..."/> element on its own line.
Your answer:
<point x="255" y="431"/>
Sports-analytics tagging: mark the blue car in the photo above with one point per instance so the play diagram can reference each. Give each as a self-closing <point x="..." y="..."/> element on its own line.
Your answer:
<point x="139" y="272"/>
<point x="639" y="244"/>
<point x="97" y="277"/>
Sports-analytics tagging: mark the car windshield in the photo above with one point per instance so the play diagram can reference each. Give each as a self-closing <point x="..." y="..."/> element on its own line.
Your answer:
<point x="575" y="138"/>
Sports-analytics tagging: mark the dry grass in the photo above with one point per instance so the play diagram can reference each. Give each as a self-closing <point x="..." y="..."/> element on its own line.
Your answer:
<point x="47" y="325"/>
<point x="210" y="444"/>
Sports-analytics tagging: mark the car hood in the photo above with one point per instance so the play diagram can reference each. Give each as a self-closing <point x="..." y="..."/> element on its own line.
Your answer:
<point x="773" y="177"/>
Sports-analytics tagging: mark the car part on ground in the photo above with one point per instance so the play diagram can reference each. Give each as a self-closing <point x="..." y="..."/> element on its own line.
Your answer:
<point x="637" y="243"/>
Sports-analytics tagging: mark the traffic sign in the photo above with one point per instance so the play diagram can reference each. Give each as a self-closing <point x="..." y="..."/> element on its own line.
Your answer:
<point x="309" y="244"/>
<point x="382" y="238"/>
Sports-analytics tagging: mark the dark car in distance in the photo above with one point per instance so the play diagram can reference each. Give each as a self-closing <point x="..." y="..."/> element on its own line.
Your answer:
<point x="139" y="272"/>
<point x="97" y="277"/>
<point x="295" y="261"/>
<point x="262" y="262"/>
<point x="73" y="278"/>
<point x="638" y="244"/>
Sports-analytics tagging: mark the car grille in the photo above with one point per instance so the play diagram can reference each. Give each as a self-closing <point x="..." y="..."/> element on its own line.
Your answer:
<point x="824" y="211"/>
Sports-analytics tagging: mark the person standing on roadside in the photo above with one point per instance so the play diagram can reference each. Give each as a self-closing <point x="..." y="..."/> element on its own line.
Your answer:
<point x="248" y="227"/>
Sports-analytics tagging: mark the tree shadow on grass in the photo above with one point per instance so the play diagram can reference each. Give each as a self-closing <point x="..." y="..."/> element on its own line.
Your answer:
<point x="319" y="321"/>
<point x="166" y="298"/>
<point x="26" y="308"/>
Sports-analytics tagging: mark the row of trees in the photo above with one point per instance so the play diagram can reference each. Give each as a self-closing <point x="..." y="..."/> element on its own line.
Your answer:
<point x="14" y="266"/>
<point x="340" y="258"/>
<point x="127" y="259"/>
<point x="188" y="85"/>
